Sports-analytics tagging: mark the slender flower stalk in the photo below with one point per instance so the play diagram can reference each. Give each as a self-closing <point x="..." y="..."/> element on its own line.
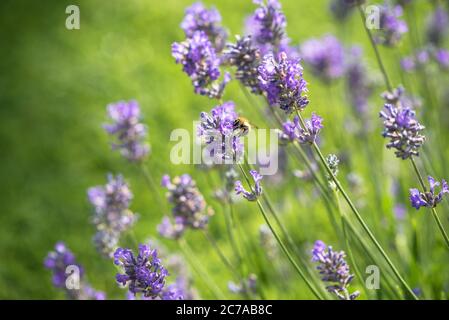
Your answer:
<point x="376" y="50"/>
<point x="191" y="257"/>
<point x="280" y="242"/>
<point x="357" y="214"/>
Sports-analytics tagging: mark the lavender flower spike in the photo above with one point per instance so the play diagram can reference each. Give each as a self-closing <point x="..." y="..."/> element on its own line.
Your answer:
<point x="430" y="198"/>
<point x="255" y="192"/>
<point x="111" y="213"/>
<point x="325" y="56"/>
<point x="282" y="81"/>
<point x="403" y="130"/>
<point x="189" y="207"/>
<point x="145" y="274"/>
<point x="201" y="63"/>
<point x="294" y="131"/>
<point x="246" y="58"/>
<point x="268" y="25"/>
<point x="217" y="131"/>
<point x="63" y="264"/>
<point x="128" y="129"/>
<point x="333" y="270"/>
<point x="198" y="18"/>
<point x="437" y="26"/>
<point x="392" y="27"/>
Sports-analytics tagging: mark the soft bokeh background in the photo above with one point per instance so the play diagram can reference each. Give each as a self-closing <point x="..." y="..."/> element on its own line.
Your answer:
<point x="56" y="83"/>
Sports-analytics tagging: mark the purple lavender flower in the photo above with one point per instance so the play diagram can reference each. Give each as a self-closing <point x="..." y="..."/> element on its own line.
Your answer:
<point x="442" y="58"/>
<point x="130" y="133"/>
<point x="111" y="213"/>
<point x="418" y="60"/>
<point x="399" y="211"/>
<point x="437" y="26"/>
<point x="59" y="262"/>
<point x="294" y="131"/>
<point x="106" y="241"/>
<point x="401" y="126"/>
<point x="246" y="58"/>
<point x="217" y="131"/>
<point x="334" y="270"/>
<point x="255" y="192"/>
<point x="359" y="85"/>
<point x="267" y="26"/>
<point x="190" y="209"/>
<point x="170" y="230"/>
<point x="430" y="198"/>
<point x="144" y="274"/>
<point x="325" y="56"/>
<point x="282" y="80"/>
<point x="198" y="18"/>
<point x="408" y="64"/>
<point x="392" y="27"/>
<point x="201" y="64"/>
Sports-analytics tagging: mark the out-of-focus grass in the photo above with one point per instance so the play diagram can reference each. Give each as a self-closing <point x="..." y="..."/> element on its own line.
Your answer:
<point x="54" y="86"/>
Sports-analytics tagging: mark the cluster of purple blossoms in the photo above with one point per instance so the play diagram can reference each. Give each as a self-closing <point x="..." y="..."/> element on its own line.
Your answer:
<point x="199" y="18"/>
<point x="59" y="262"/>
<point x="423" y="57"/>
<point x="246" y="58"/>
<point x="282" y="81"/>
<point x="401" y="126"/>
<point x="437" y="27"/>
<point x="392" y="28"/>
<point x="418" y="60"/>
<point x="255" y="192"/>
<point x="294" y="131"/>
<point x="201" y="63"/>
<point x="111" y="213"/>
<point x="359" y="85"/>
<point x="267" y="26"/>
<point x="217" y="131"/>
<point x="334" y="270"/>
<point x="430" y="198"/>
<point x="128" y="129"/>
<point x="325" y="56"/>
<point x="189" y="207"/>
<point x="144" y="274"/>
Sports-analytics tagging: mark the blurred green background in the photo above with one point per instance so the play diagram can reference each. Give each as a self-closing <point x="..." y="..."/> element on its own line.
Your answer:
<point x="55" y="84"/>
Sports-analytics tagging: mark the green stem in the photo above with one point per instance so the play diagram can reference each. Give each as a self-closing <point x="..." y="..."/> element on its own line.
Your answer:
<point x="347" y="244"/>
<point x="191" y="259"/>
<point x="357" y="214"/>
<point x="440" y="226"/>
<point x="376" y="50"/>
<point x="151" y="185"/>
<point x="220" y="254"/>
<point x="280" y="242"/>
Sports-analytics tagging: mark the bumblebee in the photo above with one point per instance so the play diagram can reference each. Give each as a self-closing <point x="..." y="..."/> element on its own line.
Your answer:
<point x="242" y="126"/>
